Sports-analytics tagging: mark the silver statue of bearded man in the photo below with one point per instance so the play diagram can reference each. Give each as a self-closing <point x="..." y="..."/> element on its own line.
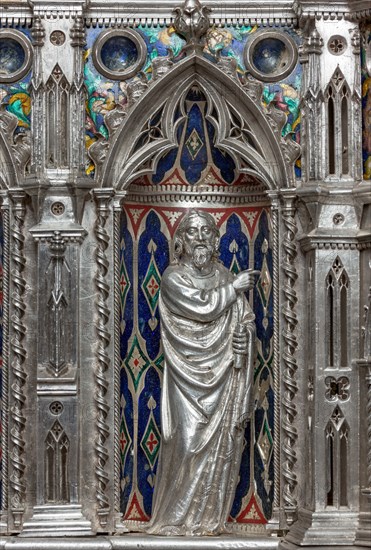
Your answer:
<point x="208" y="333"/>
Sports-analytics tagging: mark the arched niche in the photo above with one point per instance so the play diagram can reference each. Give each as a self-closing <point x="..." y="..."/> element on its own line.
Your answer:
<point x="232" y="111"/>
<point x="146" y="239"/>
<point x="158" y="194"/>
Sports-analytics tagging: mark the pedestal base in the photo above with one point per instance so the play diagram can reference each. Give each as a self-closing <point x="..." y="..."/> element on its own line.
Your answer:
<point x="133" y="541"/>
<point x="57" y="521"/>
<point x="363" y="535"/>
<point x="3" y="526"/>
<point x="321" y="529"/>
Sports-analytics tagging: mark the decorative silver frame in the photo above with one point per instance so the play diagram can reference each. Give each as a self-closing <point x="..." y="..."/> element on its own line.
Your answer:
<point x="28" y="52"/>
<point x="130" y="71"/>
<point x="292" y="55"/>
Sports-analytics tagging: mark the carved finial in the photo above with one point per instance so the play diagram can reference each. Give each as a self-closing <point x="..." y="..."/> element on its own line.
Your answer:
<point x="297" y="8"/>
<point x="98" y="150"/>
<point x="192" y="22"/>
<point x="136" y="88"/>
<point x="277" y="118"/>
<point x="37" y="32"/>
<point x="312" y="43"/>
<point x="114" y="118"/>
<point x="291" y="149"/>
<point x="253" y="87"/>
<point x="228" y="65"/>
<point x="355" y="39"/>
<point x="161" y="65"/>
<point x="77" y="33"/>
<point x="315" y="42"/>
<point x="57" y="245"/>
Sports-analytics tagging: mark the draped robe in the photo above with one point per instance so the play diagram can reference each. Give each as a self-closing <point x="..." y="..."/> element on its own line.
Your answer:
<point x="205" y="401"/>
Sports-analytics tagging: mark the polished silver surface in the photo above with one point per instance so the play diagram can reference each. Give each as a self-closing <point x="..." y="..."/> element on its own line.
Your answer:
<point x="19" y="375"/>
<point x="102" y="198"/>
<point x="289" y="359"/>
<point x="272" y="12"/>
<point x="191" y="21"/>
<point x="148" y="542"/>
<point x="208" y="333"/>
<point x="61" y="268"/>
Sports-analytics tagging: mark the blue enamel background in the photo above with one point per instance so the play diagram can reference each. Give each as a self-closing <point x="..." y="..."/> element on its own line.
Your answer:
<point x="236" y="247"/>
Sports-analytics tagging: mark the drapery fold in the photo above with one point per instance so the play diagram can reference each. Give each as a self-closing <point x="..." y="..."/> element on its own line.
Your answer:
<point x="205" y="401"/>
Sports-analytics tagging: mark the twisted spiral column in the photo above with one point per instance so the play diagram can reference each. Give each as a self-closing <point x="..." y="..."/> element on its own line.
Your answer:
<point x="102" y="197"/>
<point x="117" y="354"/>
<point x="276" y="361"/>
<point x="5" y="354"/>
<point x="289" y="351"/>
<point x="17" y="454"/>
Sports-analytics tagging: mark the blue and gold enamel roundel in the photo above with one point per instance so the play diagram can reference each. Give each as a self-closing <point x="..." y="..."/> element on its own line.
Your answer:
<point x="270" y="55"/>
<point x="119" y="54"/>
<point x="15" y="55"/>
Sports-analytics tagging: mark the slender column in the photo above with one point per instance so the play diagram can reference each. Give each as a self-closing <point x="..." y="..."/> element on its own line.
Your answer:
<point x="312" y="102"/>
<point x="116" y="270"/>
<point x="274" y="522"/>
<point x="117" y="209"/>
<point x="102" y="198"/>
<point x="367" y="490"/>
<point x="276" y="361"/>
<point x="289" y="358"/>
<point x="366" y="362"/>
<point x="17" y="454"/>
<point x="78" y="96"/>
<point x="355" y="137"/>
<point x="5" y="359"/>
<point x="37" y="99"/>
<point x="363" y="534"/>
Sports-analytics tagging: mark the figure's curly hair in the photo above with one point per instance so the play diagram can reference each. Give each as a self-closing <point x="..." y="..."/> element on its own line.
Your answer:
<point x="182" y="227"/>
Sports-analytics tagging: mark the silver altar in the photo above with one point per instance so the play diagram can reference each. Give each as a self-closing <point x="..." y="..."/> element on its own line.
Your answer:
<point x="67" y="191"/>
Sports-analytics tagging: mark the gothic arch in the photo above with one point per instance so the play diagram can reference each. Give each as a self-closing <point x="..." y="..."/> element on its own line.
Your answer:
<point x="151" y="129"/>
<point x="125" y="161"/>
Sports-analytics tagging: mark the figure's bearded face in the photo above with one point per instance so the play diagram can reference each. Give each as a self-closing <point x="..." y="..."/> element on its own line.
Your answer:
<point x="202" y="255"/>
<point x="199" y="242"/>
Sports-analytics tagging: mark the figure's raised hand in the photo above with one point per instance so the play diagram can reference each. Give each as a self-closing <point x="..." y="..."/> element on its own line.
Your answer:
<point x="240" y="342"/>
<point x="245" y="280"/>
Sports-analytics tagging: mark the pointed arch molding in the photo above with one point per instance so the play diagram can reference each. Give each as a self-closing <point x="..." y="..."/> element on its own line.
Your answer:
<point x="124" y="162"/>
